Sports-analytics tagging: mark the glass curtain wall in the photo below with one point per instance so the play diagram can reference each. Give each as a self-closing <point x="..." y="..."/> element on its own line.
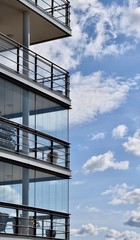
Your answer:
<point x="45" y="190"/>
<point x="44" y="115"/>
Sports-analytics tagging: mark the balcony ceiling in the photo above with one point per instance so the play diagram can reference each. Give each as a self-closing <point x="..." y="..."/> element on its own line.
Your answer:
<point x="43" y="26"/>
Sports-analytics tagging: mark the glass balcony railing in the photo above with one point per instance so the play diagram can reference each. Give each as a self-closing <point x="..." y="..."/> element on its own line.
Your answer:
<point x="58" y="9"/>
<point x="29" y="142"/>
<point x="25" y="221"/>
<point x="26" y="62"/>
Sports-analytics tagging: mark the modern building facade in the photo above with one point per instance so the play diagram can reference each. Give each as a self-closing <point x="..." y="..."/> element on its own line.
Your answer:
<point x="34" y="122"/>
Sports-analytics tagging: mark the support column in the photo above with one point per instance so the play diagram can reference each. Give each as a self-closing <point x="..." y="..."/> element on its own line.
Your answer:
<point x="25" y="121"/>
<point x="26" y="42"/>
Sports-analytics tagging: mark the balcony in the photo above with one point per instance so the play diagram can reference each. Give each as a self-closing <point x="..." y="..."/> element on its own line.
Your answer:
<point x="29" y="142"/>
<point x="21" y="221"/>
<point x="29" y="64"/>
<point x="58" y="9"/>
<point x="49" y="19"/>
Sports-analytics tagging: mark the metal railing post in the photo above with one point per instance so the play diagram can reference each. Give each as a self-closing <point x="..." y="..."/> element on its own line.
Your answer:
<point x="67" y="228"/>
<point x="67" y="160"/>
<point x="52" y="7"/>
<point x="67" y="14"/>
<point x="18" y="59"/>
<point x="35" y="74"/>
<point x="17" y="139"/>
<point x="35" y="146"/>
<point x="52" y="76"/>
<point x="67" y="83"/>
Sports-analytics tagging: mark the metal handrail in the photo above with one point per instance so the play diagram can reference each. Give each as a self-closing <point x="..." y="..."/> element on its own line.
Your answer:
<point x="33" y="222"/>
<point x="58" y="9"/>
<point x="37" y="68"/>
<point x="26" y="141"/>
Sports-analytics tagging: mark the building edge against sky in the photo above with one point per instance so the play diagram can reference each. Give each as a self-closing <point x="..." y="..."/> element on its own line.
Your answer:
<point x="34" y="122"/>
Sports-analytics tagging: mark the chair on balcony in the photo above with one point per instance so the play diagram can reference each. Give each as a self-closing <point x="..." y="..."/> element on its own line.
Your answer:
<point x="3" y="221"/>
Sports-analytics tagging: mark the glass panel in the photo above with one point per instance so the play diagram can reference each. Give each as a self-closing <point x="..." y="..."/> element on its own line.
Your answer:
<point x="31" y="139"/>
<point x="33" y="110"/>
<point x="10" y="101"/>
<point x="51" y="118"/>
<point x="35" y="188"/>
<point x="10" y="192"/>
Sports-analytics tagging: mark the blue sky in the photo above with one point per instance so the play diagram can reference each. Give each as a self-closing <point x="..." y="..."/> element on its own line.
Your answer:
<point x="103" y="58"/>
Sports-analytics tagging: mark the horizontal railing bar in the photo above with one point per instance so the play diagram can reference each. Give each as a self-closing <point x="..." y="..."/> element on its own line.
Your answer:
<point x="16" y="44"/>
<point x="31" y="130"/>
<point x="53" y="7"/>
<point x="34" y="66"/>
<point x="24" y="220"/>
<point x="30" y="142"/>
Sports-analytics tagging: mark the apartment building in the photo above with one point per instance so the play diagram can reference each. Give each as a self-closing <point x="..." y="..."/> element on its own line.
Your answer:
<point x="34" y="122"/>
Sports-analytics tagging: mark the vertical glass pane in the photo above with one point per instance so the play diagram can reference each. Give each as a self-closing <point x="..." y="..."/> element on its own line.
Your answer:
<point x="31" y="110"/>
<point x="10" y="186"/>
<point x="51" y="118"/>
<point x="17" y="104"/>
<point x="32" y="188"/>
<point x="31" y="142"/>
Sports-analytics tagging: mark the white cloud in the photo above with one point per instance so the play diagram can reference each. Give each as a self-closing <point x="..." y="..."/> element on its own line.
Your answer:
<point x="88" y="229"/>
<point x="103" y="162"/>
<point x="96" y="94"/>
<point x="127" y="235"/>
<point x="98" y="136"/>
<point x="129" y="22"/>
<point x="123" y="194"/>
<point x="133" y="144"/>
<point x="110" y="234"/>
<point x="120" y="131"/>
<point x="134" y="219"/>
<point x="109" y="24"/>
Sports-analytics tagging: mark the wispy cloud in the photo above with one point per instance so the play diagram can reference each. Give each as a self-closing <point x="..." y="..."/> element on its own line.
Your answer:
<point x="100" y="94"/>
<point x="78" y="182"/>
<point x="104" y="162"/>
<point x="120" y="131"/>
<point x="93" y="209"/>
<point x="97" y="136"/>
<point x="82" y="147"/>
